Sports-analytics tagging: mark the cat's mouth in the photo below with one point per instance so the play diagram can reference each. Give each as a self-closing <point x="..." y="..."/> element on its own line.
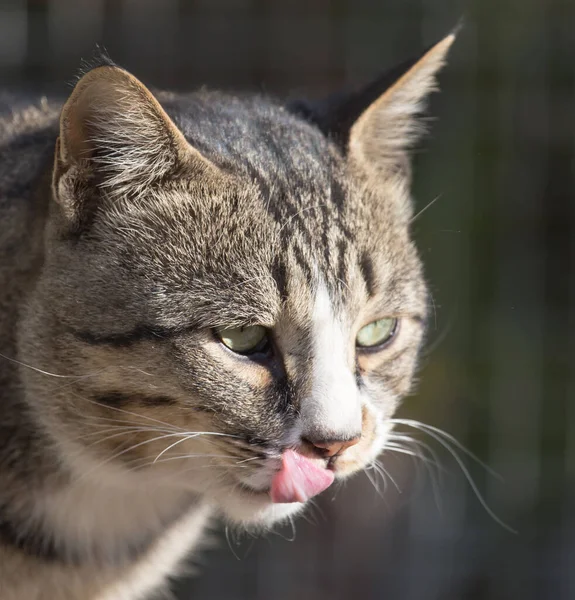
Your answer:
<point x="294" y="475"/>
<point x="298" y="479"/>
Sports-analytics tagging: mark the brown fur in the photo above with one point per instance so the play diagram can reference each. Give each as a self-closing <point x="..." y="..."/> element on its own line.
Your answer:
<point x="124" y="422"/>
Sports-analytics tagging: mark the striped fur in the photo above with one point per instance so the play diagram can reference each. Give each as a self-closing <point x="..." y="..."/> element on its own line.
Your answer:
<point x="124" y="422"/>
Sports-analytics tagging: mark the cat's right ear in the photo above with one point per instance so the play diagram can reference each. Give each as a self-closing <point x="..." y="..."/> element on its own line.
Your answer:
<point x="376" y="126"/>
<point x="115" y="138"/>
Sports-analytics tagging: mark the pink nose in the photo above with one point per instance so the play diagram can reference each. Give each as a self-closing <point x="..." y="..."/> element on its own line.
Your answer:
<point x="329" y="448"/>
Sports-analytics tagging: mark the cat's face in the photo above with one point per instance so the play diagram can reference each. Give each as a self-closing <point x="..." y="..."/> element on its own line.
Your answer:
<point x="220" y="305"/>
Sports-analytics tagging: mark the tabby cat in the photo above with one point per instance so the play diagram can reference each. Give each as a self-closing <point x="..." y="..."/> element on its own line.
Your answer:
<point x="210" y="306"/>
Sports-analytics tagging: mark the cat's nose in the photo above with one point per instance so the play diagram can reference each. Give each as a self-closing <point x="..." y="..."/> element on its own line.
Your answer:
<point x="329" y="448"/>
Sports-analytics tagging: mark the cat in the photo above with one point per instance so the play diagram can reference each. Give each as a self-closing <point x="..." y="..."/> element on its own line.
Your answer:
<point x="210" y="306"/>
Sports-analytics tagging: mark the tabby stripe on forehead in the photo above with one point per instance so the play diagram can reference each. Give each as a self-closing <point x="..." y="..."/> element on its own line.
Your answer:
<point x="280" y="275"/>
<point x="302" y="262"/>
<point x="300" y="220"/>
<point x="122" y="399"/>
<point x="292" y="216"/>
<point x="326" y="224"/>
<point x="342" y="247"/>
<point x="338" y="199"/>
<point x="367" y="271"/>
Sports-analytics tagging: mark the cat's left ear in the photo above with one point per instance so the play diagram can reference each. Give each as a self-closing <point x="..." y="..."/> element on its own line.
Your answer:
<point x="377" y="125"/>
<point x="115" y="137"/>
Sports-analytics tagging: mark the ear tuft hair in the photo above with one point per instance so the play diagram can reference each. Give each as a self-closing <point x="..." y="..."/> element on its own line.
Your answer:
<point x="99" y="58"/>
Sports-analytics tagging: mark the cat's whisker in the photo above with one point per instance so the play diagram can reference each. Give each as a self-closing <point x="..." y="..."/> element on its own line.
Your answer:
<point x="374" y="482"/>
<point x="133" y="414"/>
<point x="227" y="534"/>
<point x="123" y="429"/>
<point x="142" y="463"/>
<point x="447" y="437"/>
<point x="75" y="377"/>
<point x="41" y="371"/>
<point x="122" y="452"/>
<point x="214" y="433"/>
<point x="311" y="514"/>
<point x="290" y="538"/>
<point x="398" y="449"/>
<point x="128" y="431"/>
<point x="428" y="205"/>
<point x="420" y="448"/>
<point x="379" y="468"/>
<point x="434" y="306"/>
<point x="171" y="427"/>
<point x="200" y="455"/>
<point x="432" y="468"/>
<point x="442" y="438"/>
<point x="95" y="421"/>
<point x="100" y="372"/>
<point x="428" y="455"/>
<point x="245" y="460"/>
<point x="189" y="436"/>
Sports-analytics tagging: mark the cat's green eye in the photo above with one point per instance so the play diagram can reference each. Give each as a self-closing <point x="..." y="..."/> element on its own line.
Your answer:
<point x="376" y="333"/>
<point x="244" y="340"/>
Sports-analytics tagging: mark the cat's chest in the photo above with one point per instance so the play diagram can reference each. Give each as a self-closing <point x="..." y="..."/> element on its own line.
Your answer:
<point x="163" y="559"/>
<point x="117" y="518"/>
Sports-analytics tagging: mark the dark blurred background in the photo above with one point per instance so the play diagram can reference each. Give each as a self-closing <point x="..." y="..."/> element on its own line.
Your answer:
<point x="498" y="372"/>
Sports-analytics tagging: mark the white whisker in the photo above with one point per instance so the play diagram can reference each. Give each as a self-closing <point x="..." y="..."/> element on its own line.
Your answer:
<point x="118" y="454"/>
<point x="122" y="428"/>
<point x="131" y="430"/>
<point x="428" y="205"/>
<point x="41" y="371"/>
<point x="434" y="460"/>
<point x="227" y="532"/>
<point x="379" y="468"/>
<point x="245" y="460"/>
<point x="430" y="428"/>
<point x="374" y="482"/>
<point x="191" y="435"/>
<point x="442" y="438"/>
<point x="133" y="414"/>
<point x="433" y="468"/>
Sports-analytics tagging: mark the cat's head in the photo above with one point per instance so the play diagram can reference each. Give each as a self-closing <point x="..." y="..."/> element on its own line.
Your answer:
<point x="229" y="287"/>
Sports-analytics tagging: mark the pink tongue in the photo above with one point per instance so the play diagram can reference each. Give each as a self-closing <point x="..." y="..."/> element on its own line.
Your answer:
<point x="299" y="479"/>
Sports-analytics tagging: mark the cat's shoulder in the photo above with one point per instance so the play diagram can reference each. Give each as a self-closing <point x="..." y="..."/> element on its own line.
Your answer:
<point x="23" y="114"/>
<point x="28" y="130"/>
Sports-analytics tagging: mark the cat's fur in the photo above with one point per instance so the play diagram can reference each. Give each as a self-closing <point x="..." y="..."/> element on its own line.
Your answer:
<point x="130" y="227"/>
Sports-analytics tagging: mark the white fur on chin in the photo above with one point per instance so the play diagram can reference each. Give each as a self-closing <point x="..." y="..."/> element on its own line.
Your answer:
<point x="257" y="511"/>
